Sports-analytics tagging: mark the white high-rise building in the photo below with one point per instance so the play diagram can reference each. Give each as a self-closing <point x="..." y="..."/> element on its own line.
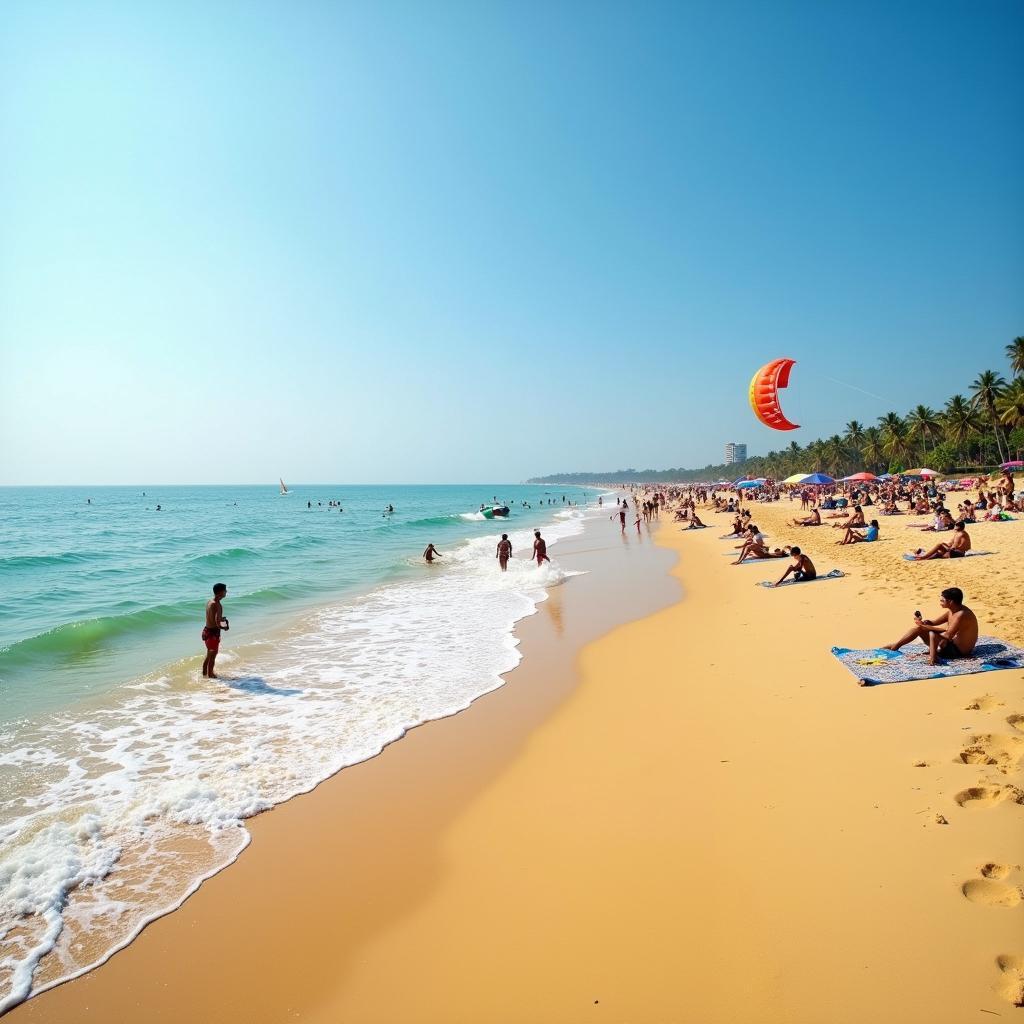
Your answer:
<point x="735" y="451"/>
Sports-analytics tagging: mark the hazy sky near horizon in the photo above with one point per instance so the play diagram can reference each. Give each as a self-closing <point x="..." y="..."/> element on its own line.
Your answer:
<point x="430" y="242"/>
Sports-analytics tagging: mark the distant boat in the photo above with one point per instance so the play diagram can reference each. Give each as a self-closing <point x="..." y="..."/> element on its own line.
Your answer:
<point x="284" y="490"/>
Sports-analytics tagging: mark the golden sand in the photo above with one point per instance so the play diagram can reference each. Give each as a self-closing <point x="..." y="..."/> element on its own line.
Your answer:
<point x="715" y="825"/>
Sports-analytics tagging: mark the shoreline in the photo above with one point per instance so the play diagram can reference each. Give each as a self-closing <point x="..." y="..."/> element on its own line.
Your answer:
<point x="713" y="822"/>
<point x="544" y="639"/>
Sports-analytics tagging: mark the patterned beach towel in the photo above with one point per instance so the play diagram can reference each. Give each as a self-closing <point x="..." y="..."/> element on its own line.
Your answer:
<point x="874" y="666"/>
<point x="835" y="574"/>
<point x="908" y="556"/>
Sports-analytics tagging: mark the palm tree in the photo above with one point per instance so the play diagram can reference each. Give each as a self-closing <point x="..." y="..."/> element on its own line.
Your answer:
<point x="835" y="455"/>
<point x="923" y="425"/>
<point x="895" y="436"/>
<point x="987" y="389"/>
<point x="1015" y="353"/>
<point x="960" y="420"/>
<point x="853" y="434"/>
<point x="871" y="448"/>
<point x="1010" y="404"/>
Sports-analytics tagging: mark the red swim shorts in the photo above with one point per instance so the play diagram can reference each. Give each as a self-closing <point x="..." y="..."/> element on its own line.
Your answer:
<point x="211" y="639"/>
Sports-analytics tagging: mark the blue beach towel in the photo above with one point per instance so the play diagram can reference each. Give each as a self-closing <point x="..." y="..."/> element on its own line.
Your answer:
<point x="908" y="556"/>
<point x="835" y="574"/>
<point x="875" y="666"/>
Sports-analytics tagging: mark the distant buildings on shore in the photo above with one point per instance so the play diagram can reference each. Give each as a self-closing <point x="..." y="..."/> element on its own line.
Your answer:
<point x="735" y="451"/>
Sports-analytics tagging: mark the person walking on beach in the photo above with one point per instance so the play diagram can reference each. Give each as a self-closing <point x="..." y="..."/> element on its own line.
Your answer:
<point x="504" y="552"/>
<point x="622" y="516"/>
<point x="430" y="553"/>
<point x="215" y="622"/>
<point x="540" y="548"/>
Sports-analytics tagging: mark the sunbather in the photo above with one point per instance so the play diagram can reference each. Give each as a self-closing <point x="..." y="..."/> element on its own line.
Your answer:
<point x="857" y="519"/>
<point x="802" y="568"/>
<point x="854" y="536"/>
<point x="952" y="634"/>
<point x="814" y="519"/>
<point x="958" y="546"/>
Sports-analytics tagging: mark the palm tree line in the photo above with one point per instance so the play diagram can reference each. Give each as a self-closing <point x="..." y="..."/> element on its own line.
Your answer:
<point x="971" y="432"/>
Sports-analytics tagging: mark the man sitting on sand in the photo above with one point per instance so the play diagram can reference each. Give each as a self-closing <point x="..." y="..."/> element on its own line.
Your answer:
<point x="856" y="537"/>
<point x="814" y="519"/>
<point x="958" y="546"/>
<point x="952" y="635"/>
<point x="802" y="568"/>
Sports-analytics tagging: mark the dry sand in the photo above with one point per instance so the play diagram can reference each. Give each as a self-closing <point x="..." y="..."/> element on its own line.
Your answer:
<point x="707" y="821"/>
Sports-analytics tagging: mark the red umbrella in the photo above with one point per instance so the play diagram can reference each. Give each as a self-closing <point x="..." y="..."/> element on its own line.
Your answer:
<point x="861" y="476"/>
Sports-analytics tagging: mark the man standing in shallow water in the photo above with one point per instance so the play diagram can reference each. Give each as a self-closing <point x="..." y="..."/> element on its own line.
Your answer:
<point x="504" y="552"/>
<point x="215" y="622"/>
<point x="540" y="548"/>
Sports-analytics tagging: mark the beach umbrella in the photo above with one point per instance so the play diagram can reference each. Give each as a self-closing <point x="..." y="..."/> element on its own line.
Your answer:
<point x="749" y="483"/>
<point x="861" y="476"/>
<point x="818" y="478"/>
<point x="1015" y="464"/>
<point x="796" y="478"/>
<point x="921" y="472"/>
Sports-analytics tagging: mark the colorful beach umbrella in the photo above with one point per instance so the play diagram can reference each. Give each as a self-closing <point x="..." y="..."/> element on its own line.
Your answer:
<point x="921" y="472"/>
<point x="1015" y="464"/>
<point x="818" y="478"/>
<point x="861" y="476"/>
<point x="796" y="478"/>
<point x="750" y="483"/>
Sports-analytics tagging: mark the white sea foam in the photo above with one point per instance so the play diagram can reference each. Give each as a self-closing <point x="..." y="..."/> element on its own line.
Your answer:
<point x="102" y="804"/>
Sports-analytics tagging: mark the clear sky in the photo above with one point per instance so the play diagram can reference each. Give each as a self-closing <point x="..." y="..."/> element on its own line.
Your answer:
<point x="472" y="241"/>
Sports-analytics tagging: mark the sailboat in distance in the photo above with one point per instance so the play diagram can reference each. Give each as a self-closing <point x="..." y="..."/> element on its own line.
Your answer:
<point x="284" y="490"/>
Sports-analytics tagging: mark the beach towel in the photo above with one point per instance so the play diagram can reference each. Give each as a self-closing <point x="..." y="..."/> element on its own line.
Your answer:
<point x="908" y="556"/>
<point x="835" y="574"/>
<point x="751" y="561"/>
<point x="874" y="666"/>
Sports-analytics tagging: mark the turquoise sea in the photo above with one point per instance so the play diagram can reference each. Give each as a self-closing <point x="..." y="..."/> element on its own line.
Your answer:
<point x="118" y="758"/>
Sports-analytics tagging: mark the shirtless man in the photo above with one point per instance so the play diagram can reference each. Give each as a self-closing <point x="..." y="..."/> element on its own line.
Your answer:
<point x="958" y="546"/>
<point x="540" y="548"/>
<point x="802" y="568"/>
<point x="504" y="552"/>
<point x="215" y="622"/>
<point x="431" y="553"/>
<point x="622" y="516"/>
<point x="952" y="635"/>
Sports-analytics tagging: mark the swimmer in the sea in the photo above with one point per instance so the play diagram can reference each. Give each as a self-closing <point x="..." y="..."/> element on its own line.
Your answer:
<point x="431" y="553"/>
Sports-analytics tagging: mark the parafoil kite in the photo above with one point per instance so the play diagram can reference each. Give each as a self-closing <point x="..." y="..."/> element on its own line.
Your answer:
<point x="764" y="394"/>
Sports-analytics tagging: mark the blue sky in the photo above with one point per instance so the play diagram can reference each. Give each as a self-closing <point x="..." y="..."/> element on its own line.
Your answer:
<point x="415" y="242"/>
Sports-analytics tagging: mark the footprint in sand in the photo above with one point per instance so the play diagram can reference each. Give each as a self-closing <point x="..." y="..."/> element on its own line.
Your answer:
<point x="988" y="796"/>
<point x="1011" y="985"/>
<point x="985" y="703"/>
<point x="992" y="893"/>
<point x="1002" y="751"/>
<point x="993" y="870"/>
<point x="1017" y="721"/>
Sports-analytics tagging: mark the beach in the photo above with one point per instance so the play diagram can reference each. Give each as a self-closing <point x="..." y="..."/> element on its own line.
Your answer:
<point x="694" y="815"/>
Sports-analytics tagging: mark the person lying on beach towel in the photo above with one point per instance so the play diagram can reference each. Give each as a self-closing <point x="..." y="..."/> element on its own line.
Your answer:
<point x="952" y="634"/>
<point x="814" y="519"/>
<point x="958" y="546"/>
<point x="856" y="536"/>
<point x="755" y="552"/>
<point x="802" y="568"/>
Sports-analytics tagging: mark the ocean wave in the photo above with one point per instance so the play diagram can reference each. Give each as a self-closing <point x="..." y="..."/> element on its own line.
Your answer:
<point x="104" y="796"/>
<point x="42" y="561"/>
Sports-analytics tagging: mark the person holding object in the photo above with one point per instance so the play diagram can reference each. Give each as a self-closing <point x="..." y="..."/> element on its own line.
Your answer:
<point x="952" y="634"/>
<point x="215" y="622"/>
